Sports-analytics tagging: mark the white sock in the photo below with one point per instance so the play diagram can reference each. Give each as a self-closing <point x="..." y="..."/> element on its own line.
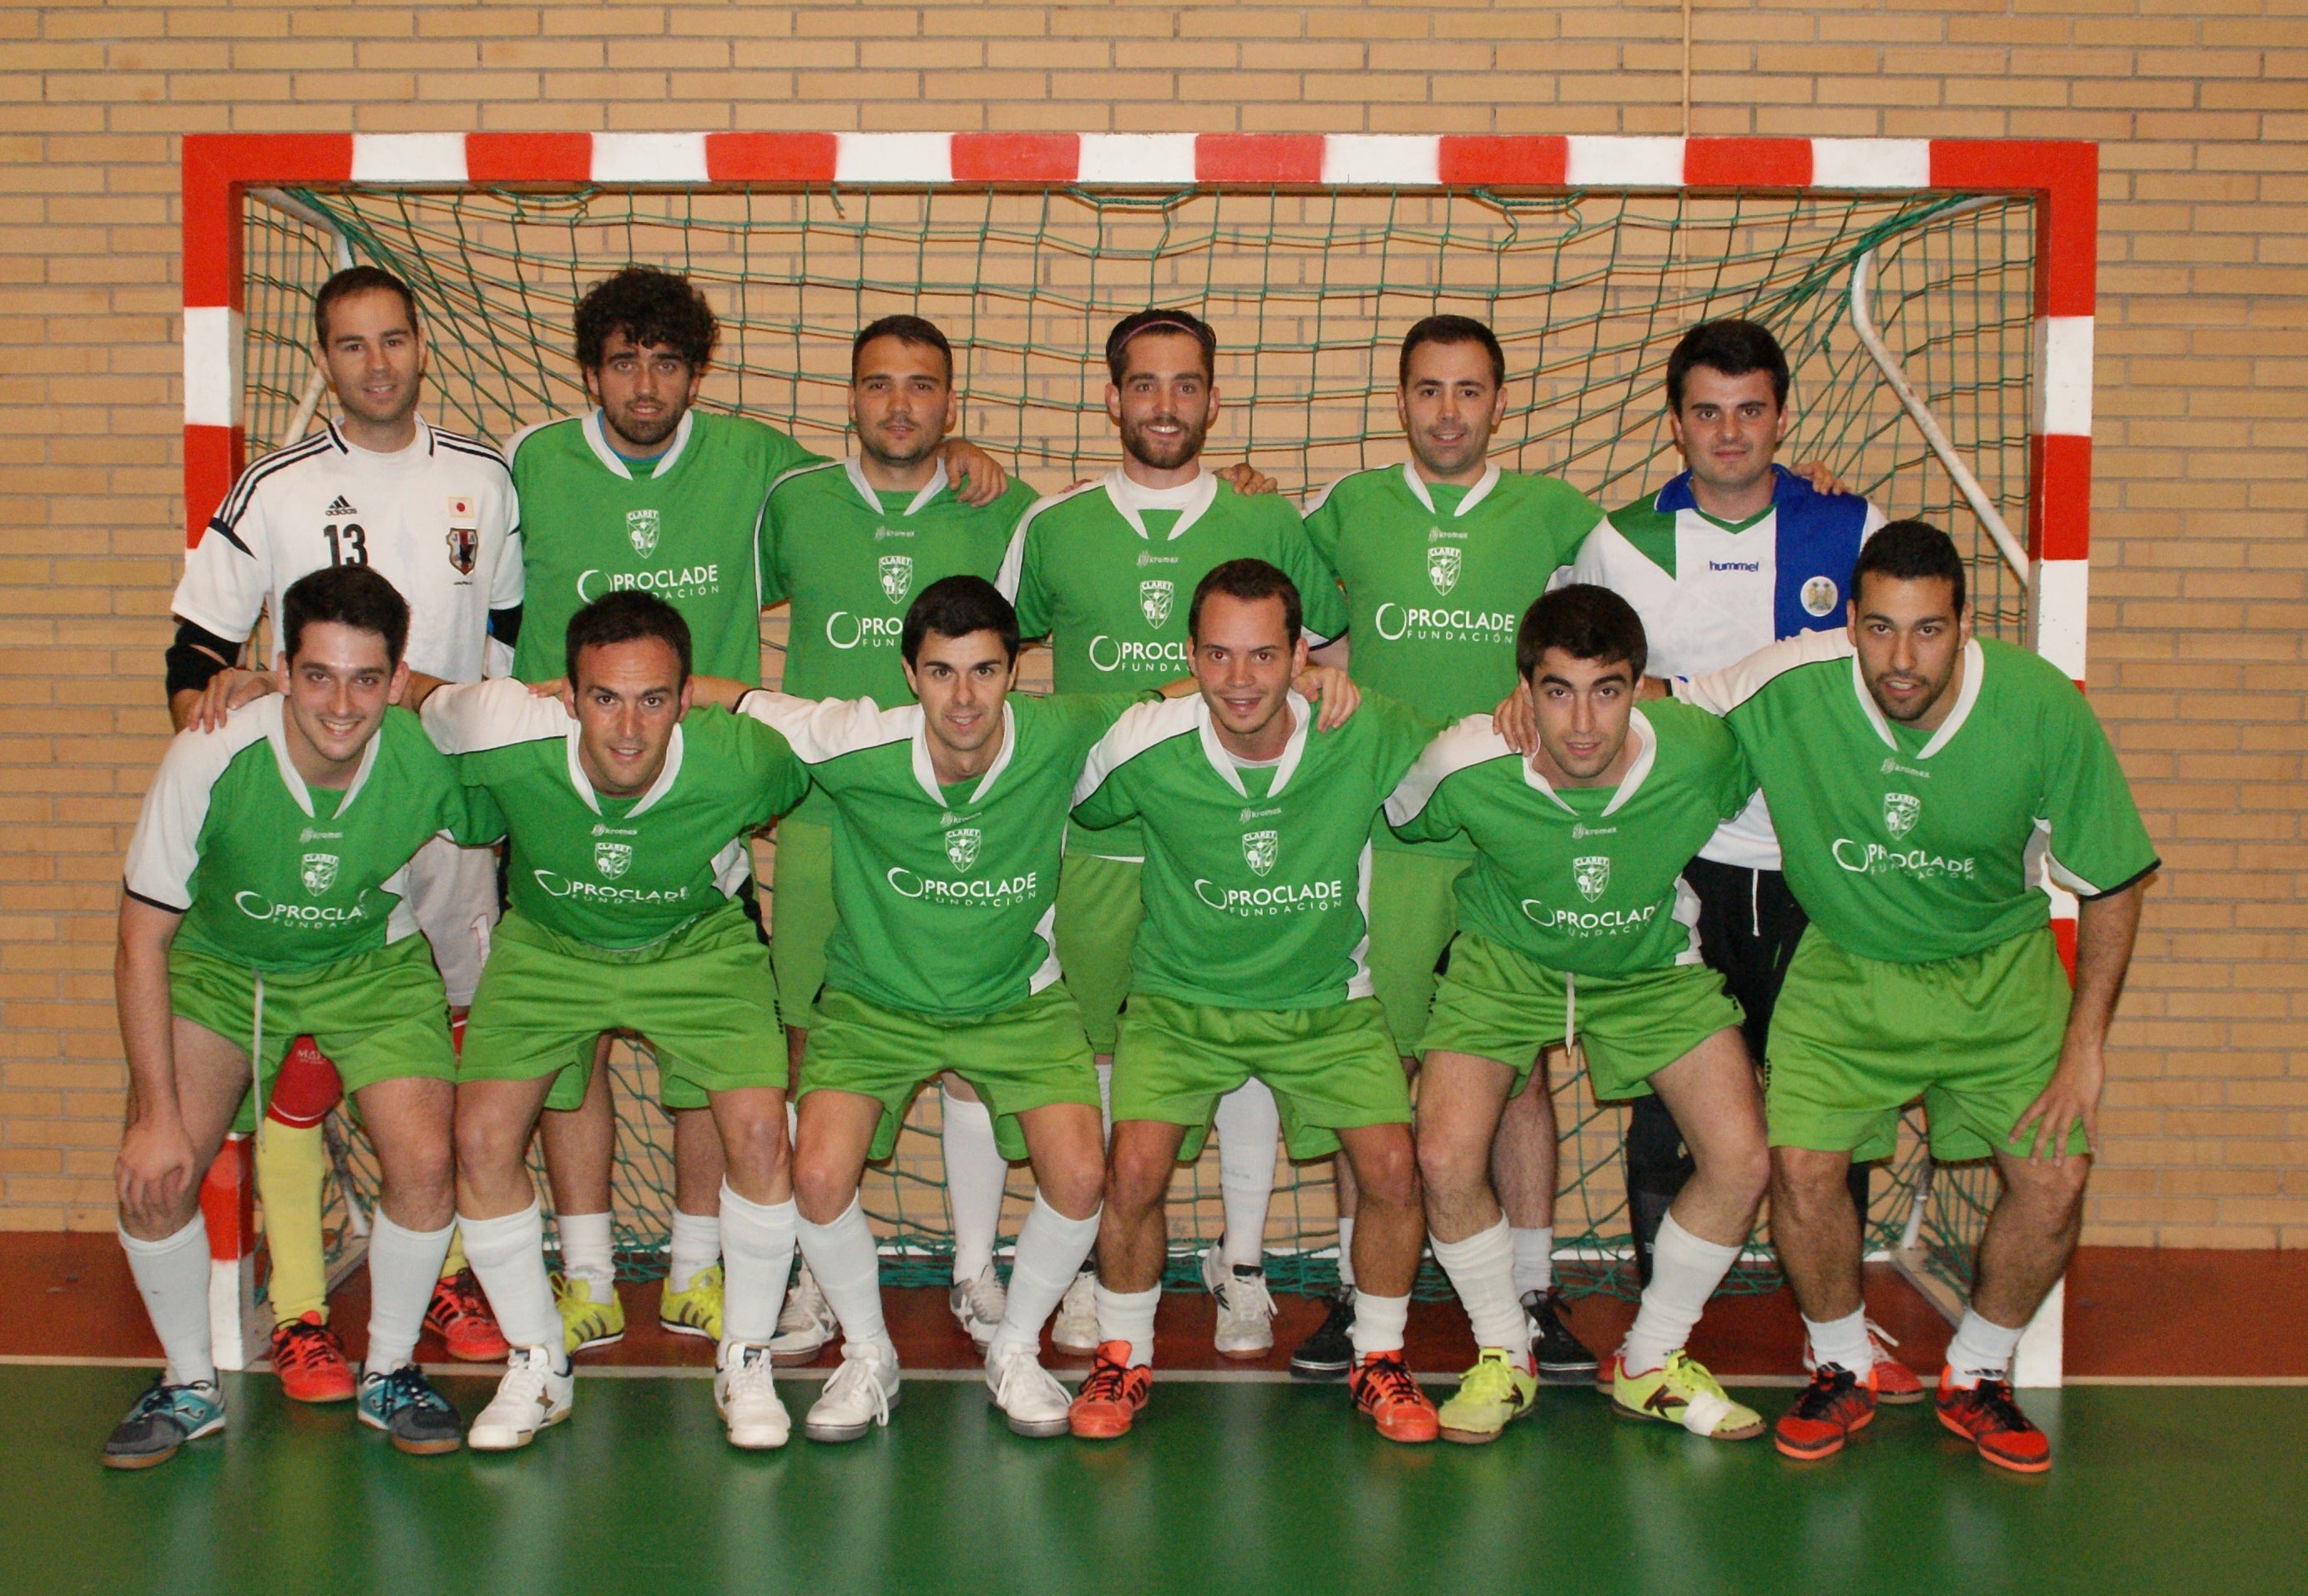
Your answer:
<point x="1981" y="1351"/>
<point x="760" y="1239"/>
<point x="1534" y="1260"/>
<point x="585" y="1254"/>
<point x="402" y="1265"/>
<point x="1380" y="1322"/>
<point x="1347" y="1251"/>
<point x="850" y="1272"/>
<point x="1051" y="1248"/>
<point x="695" y="1247"/>
<point x="1842" y="1342"/>
<point x="1129" y="1316"/>
<point x="1105" y="1098"/>
<point x="1248" y="1125"/>
<point x="975" y="1175"/>
<point x="172" y="1276"/>
<point x="1684" y="1273"/>
<point x="508" y="1258"/>
<point x="1482" y="1272"/>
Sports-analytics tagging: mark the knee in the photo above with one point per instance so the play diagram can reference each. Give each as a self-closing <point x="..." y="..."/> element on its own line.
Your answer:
<point x="1075" y="1193"/>
<point x="1801" y="1179"/>
<point x="481" y="1148"/>
<point x="754" y="1152"/>
<point x="427" y="1169"/>
<point x="1138" y="1178"/>
<point x="1745" y="1170"/>
<point x="819" y="1189"/>
<point x="1449" y="1166"/>
<point x="1388" y="1174"/>
<point x="2055" y="1186"/>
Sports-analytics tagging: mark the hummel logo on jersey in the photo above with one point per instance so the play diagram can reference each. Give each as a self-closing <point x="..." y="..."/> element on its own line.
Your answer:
<point x="612" y="859"/>
<point x="1259" y="850"/>
<point x="337" y="507"/>
<point x="1443" y="567"/>
<point x="961" y="846"/>
<point x="1901" y="810"/>
<point x="896" y="576"/>
<point x="640" y="526"/>
<point x="1154" y="598"/>
<point x="320" y="873"/>
<point x="1592" y="875"/>
<point x="1753" y="567"/>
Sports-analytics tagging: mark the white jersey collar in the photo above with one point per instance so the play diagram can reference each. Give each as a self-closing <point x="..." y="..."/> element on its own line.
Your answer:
<point x="856" y="468"/>
<point x="417" y="449"/>
<point x="1639" y="727"/>
<point x="1130" y="499"/>
<point x="1475" y="495"/>
<point x="1975" y="667"/>
<point x="597" y="437"/>
<point x="273" y="711"/>
<point x="925" y="773"/>
<point x="1222" y="762"/>
<point x="657" y="789"/>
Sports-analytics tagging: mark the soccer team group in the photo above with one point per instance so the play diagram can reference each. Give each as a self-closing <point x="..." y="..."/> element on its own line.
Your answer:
<point x="1446" y="782"/>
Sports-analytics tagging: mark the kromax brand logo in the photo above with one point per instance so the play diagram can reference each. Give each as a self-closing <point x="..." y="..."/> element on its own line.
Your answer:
<point x="1260" y="849"/>
<point x="320" y="873"/>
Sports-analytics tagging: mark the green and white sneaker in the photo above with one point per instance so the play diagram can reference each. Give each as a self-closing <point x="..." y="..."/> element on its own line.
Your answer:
<point x="1491" y="1395"/>
<point x="404" y="1405"/>
<point x="533" y="1395"/>
<point x="164" y="1418"/>
<point x="1681" y="1391"/>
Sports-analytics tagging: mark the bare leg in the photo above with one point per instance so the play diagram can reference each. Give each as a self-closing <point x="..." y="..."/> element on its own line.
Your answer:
<point x="1391" y="1226"/>
<point x="1815" y="1230"/>
<point x="2030" y="1234"/>
<point x="580" y="1143"/>
<point x="1132" y="1240"/>
<point x="1459" y="1101"/>
<point x="698" y="1166"/>
<point x="1523" y="1156"/>
<point x="1711" y="1092"/>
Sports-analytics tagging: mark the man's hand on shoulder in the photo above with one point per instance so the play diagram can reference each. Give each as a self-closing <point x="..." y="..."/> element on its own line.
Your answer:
<point x="1822" y="478"/>
<point x="225" y="692"/>
<point x="1516" y="720"/>
<point x="978" y="477"/>
<point x="1333" y="690"/>
<point x="1247" y="480"/>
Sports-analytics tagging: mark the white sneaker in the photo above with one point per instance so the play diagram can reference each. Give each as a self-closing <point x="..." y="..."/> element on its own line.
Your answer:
<point x="1074" y="1328"/>
<point x="1028" y="1395"/>
<point x="804" y="1325"/>
<point x="1246" y="1309"/>
<point x="746" y="1397"/>
<point x="978" y="1305"/>
<point x="532" y="1396"/>
<point x="859" y="1397"/>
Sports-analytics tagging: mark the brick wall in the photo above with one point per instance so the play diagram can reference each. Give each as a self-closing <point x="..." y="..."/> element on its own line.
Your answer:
<point x="2201" y="455"/>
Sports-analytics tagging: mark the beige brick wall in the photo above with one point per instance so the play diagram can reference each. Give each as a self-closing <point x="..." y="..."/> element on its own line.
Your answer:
<point x="2201" y="472"/>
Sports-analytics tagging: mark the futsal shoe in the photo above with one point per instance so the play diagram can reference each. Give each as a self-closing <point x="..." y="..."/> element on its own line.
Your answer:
<point x="586" y="1324"/>
<point x="1491" y="1395"/>
<point x="1895" y="1381"/>
<point x="696" y="1311"/>
<point x="745" y="1395"/>
<point x="1558" y="1356"/>
<point x="804" y="1325"/>
<point x="1329" y="1351"/>
<point x="1987" y="1416"/>
<point x="1029" y="1395"/>
<point x="977" y="1306"/>
<point x="1832" y="1407"/>
<point x="1074" y="1329"/>
<point x="461" y="1315"/>
<point x="533" y="1395"/>
<point x="311" y="1361"/>
<point x="1246" y="1319"/>
<point x="1113" y="1395"/>
<point x="859" y="1397"/>
<point x="1681" y="1391"/>
<point x="1383" y="1388"/>
<point x="164" y="1418"/>
<point x="403" y="1405"/>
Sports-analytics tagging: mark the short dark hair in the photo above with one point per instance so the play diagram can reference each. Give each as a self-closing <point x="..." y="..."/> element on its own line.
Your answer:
<point x="357" y="279"/>
<point x="1117" y="342"/>
<point x="351" y="596"/>
<point x="625" y="615"/>
<point x="1452" y="329"/>
<point x="905" y="329"/>
<point x="1734" y="347"/>
<point x="1249" y="581"/>
<point x="1910" y="551"/>
<point x="650" y="306"/>
<point x="956" y="606"/>
<point x="1586" y="622"/>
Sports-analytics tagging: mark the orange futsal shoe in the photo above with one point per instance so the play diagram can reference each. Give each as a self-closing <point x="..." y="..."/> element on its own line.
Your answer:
<point x="1113" y="1395"/>
<point x="1986" y="1416"/>
<point x="311" y="1362"/>
<point x="1895" y="1381"/>
<point x="1835" y="1404"/>
<point x="461" y="1315"/>
<point x="1383" y="1388"/>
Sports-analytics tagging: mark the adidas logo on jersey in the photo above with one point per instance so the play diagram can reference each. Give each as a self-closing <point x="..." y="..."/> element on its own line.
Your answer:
<point x="337" y="507"/>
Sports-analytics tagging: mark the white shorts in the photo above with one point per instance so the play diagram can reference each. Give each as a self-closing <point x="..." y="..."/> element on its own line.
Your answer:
<point x="452" y="892"/>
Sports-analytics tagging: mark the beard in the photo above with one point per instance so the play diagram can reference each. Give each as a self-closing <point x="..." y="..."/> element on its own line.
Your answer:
<point x="647" y="431"/>
<point x="1159" y="453"/>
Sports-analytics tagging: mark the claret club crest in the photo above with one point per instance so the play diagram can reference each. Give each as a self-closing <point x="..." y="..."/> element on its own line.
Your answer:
<point x="1154" y="598"/>
<point x="320" y="873"/>
<point x="1901" y="810"/>
<point x="1258" y="849"/>
<point x="640" y="526"/>
<point x="1592" y="875"/>
<point x="961" y="846"/>
<point x="896" y="576"/>
<point x="1442" y="566"/>
<point x="612" y="859"/>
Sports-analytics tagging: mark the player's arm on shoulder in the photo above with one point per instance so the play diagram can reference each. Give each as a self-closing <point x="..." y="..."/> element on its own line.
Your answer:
<point x="1720" y="692"/>
<point x="1330" y="687"/>
<point x="1419" y="808"/>
<point x="205" y="685"/>
<point x="1246" y="479"/>
<point x="466" y="717"/>
<point x="978" y="477"/>
<point x="821" y="729"/>
<point x="1102" y="796"/>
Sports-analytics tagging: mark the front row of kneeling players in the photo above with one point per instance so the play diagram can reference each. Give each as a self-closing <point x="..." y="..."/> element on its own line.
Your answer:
<point x="626" y="804"/>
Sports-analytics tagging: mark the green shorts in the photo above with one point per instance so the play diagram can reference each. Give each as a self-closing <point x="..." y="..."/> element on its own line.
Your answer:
<point x="1413" y="914"/>
<point x="801" y="915"/>
<point x="1098" y="915"/>
<point x="1496" y="1002"/>
<point x="1854" y="1040"/>
<point x="1023" y="1057"/>
<point x="703" y="998"/>
<point x="378" y="1016"/>
<point x="1331" y="1069"/>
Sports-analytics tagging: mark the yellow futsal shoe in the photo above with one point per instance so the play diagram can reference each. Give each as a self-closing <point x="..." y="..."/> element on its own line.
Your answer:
<point x="696" y="1311"/>
<point x="586" y="1324"/>
<point x="1491" y="1395"/>
<point x="1681" y="1391"/>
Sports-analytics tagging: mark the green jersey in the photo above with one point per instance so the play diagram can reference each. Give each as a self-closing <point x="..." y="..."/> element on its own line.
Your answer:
<point x="1256" y="877"/>
<point x="1912" y="846"/>
<point x="271" y="873"/>
<point x="614" y="872"/>
<point x="945" y="893"/>
<point x="686" y="526"/>
<point x="1108" y="571"/>
<point x="1583" y="879"/>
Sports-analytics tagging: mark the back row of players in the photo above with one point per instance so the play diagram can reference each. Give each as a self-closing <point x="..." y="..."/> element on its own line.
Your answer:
<point x="1282" y="959"/>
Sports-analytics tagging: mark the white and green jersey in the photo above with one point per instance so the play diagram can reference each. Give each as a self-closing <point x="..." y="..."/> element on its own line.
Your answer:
<point x="945" y="893"/>
<point x="271" y="873"/>
<point x="1583" y="879"/>
<point x="615" y="873"/>
<point x="1257" y="877"/>
<point x="1107" y="572"/>
<point x="1913" y="845"/>
<point x="686" y="526"/>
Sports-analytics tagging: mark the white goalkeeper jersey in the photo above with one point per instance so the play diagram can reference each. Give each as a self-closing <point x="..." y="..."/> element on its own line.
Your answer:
<point x="438" y="519"/>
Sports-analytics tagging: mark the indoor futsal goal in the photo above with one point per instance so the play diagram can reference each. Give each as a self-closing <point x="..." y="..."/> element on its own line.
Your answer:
<point x="1934" y="298"/>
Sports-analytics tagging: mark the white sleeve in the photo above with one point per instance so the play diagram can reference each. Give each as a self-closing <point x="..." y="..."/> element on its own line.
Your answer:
<point x="466" y="717"/>
<point x="1140" y="727"/>
<point x="1468" y="742"/>
<point x="512" y="575"/>
<point x="229" y="572"/>
<point x="1720" y="692"/>
<point x="165" y="848"/>
<point x="822" y="728"/>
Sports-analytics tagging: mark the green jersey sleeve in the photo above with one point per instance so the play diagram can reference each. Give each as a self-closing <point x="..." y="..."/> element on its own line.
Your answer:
<point x="1423" y="808"/>
<point x="1322" y="604"/>
<point x="2097" y="844"/>
<point x="1023" y="579"/>
<point x="768" y="760"/>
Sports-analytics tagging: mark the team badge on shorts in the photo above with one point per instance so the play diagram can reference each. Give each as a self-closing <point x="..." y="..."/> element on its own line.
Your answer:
<point x="320" y="873"/>
<point x="1258" y="849"/>
<point x="1819" y="595"/>
<point x="1154" y="598"/>
<point x="612" y="859"/>
<point x="1901" y="810"/>
<point x="896" y="576"/>
<point x="640" y="526"/>
<point x="1592" y="875"/>
<point x="961" y="846"/>
<point x="1443" y="567"/>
